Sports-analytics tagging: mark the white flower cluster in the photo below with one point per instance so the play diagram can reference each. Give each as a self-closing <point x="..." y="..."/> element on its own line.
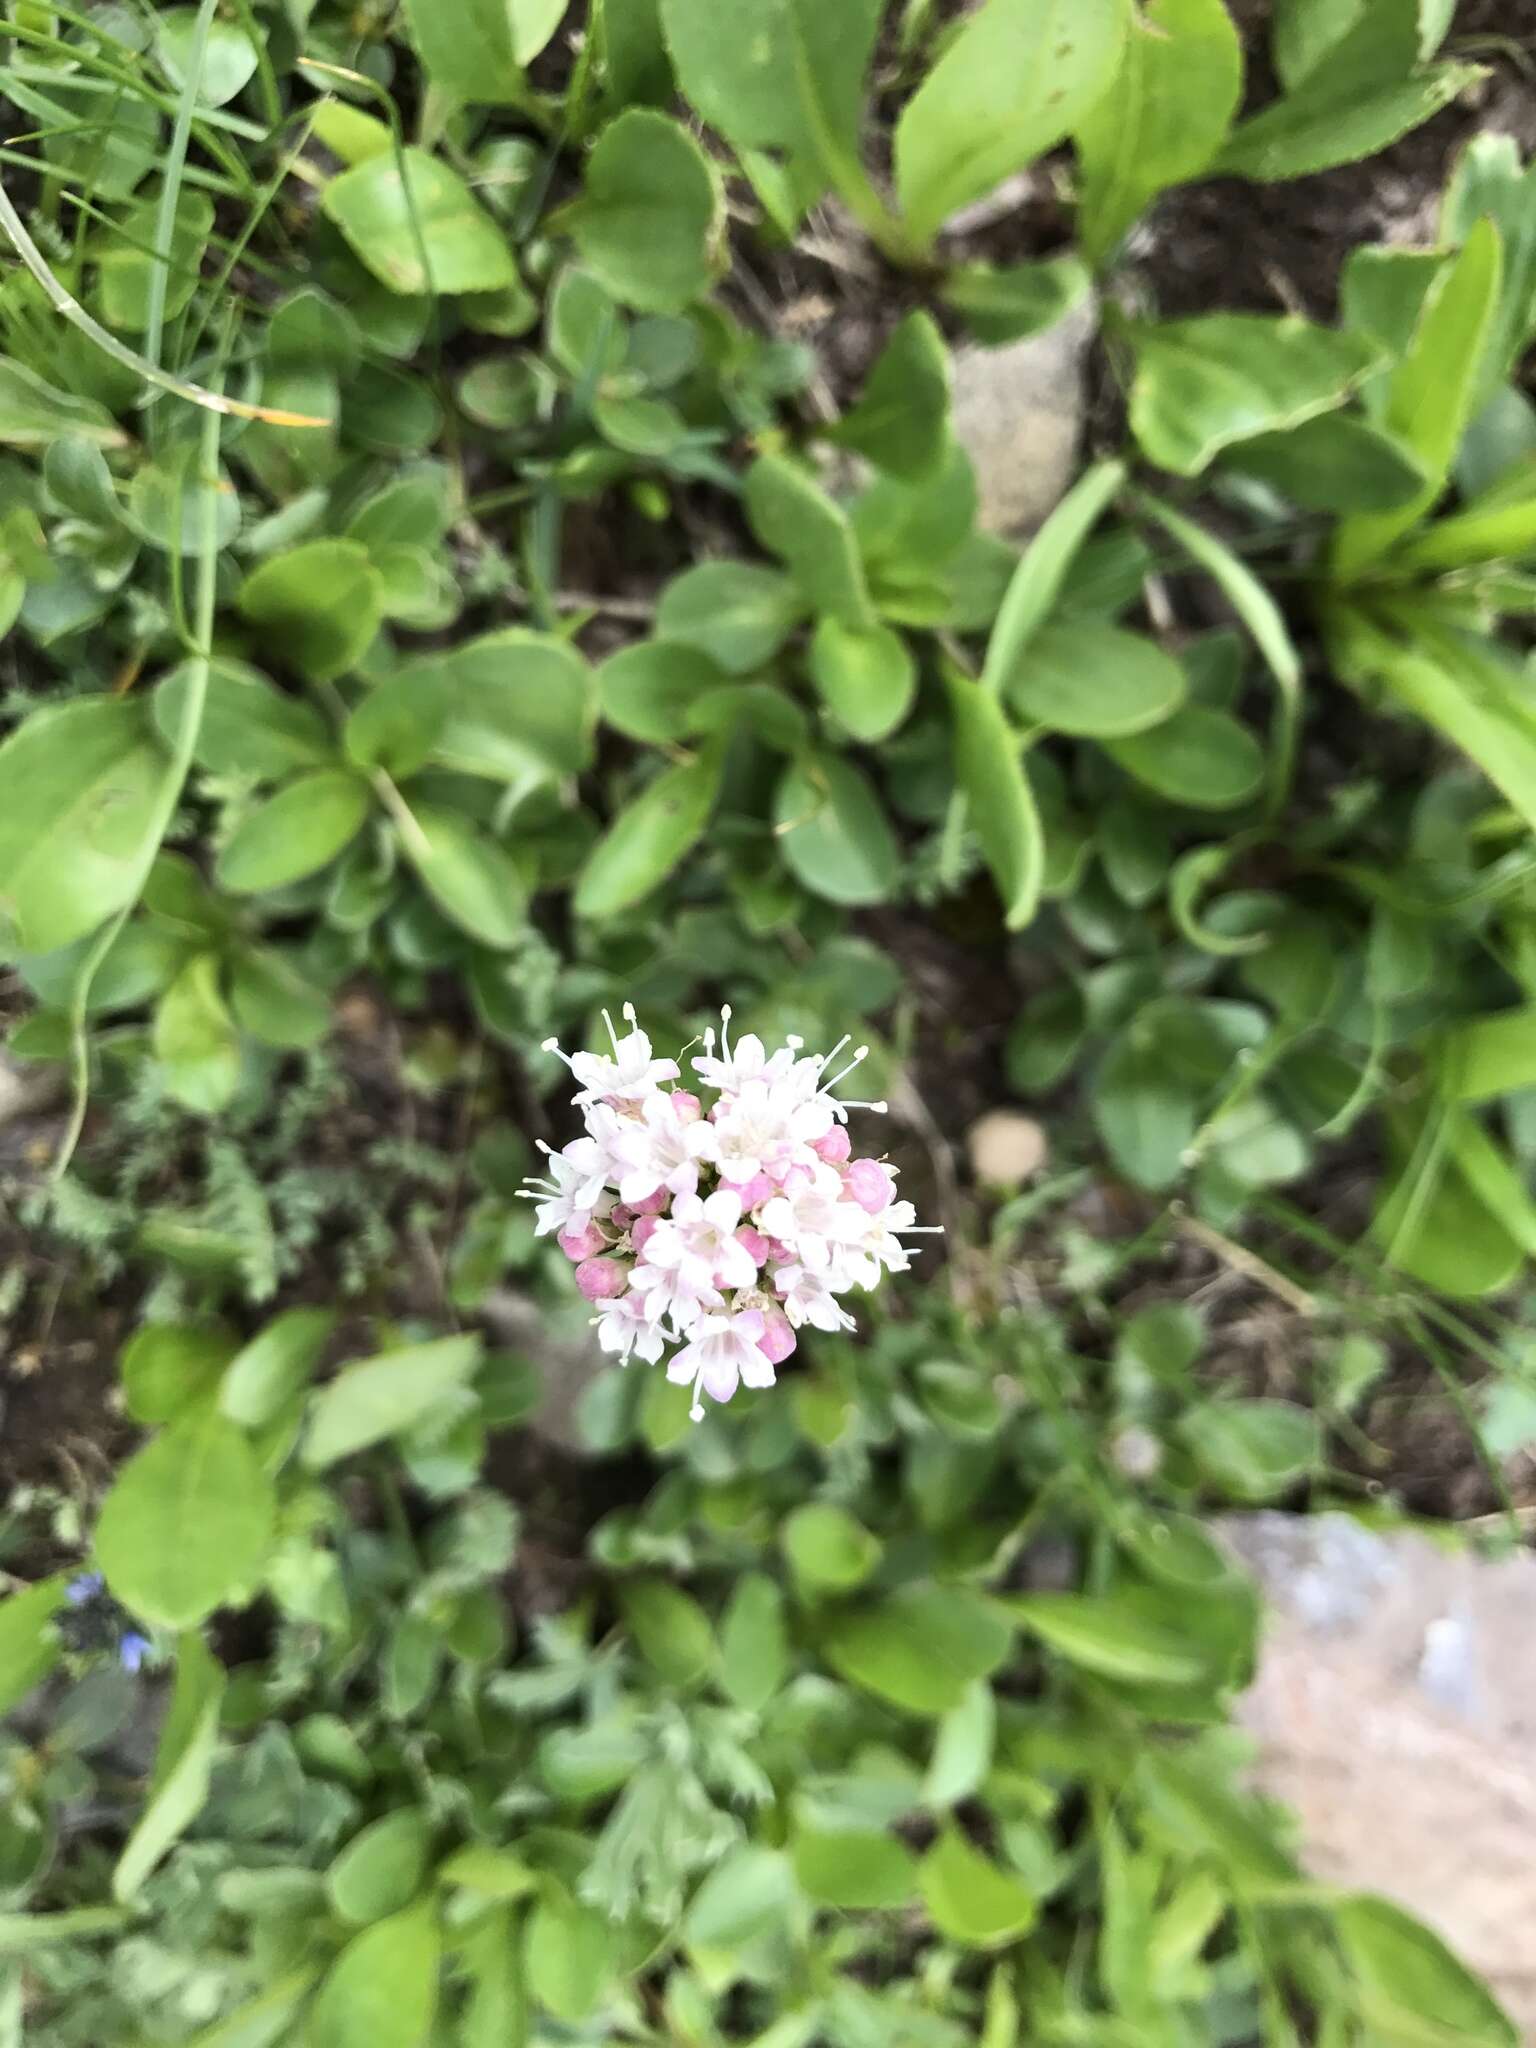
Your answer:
<point x="722" y="1230"/>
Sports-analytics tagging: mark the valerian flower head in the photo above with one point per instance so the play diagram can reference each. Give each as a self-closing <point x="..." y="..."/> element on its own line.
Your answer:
<point x="714" y="1230"/>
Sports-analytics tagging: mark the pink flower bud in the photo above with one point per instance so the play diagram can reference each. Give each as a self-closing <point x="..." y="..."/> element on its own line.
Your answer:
<point x="779" y="1254"/>
<point x="582" y="1244"/>
<point x="870" y="1185"/>
<point x="834" y="1147"/>
<point x="653" y="1205"/>
<point x="797" y="1177"/>
<point x="755" y="1192"/>
<point x="639" y="1236"/>
<point x="688" y="1107"/>
<point x="778" y="1338"/>
<point x="621" y="1216"/>
<point x="753" y="1243"/>
<point x="601" y="1279"/>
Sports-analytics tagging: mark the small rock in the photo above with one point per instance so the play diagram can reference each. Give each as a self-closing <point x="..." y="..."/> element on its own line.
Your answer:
<point x="1006" y="1148"/>
<point x="1018" y="413"/>
<point x="1395" y="1712"/>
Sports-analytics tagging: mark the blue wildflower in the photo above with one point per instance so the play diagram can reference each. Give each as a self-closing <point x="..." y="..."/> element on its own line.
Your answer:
<point x="132" y="1650"/>
<point x="82" y="1591"/>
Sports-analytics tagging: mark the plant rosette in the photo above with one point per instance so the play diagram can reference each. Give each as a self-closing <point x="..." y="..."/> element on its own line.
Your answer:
<point x="720" y="1230"/>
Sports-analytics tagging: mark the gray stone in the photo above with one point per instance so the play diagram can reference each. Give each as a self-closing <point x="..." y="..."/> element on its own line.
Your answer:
<point x="1019" y="413"/>
<point x="1395" y="1712"/>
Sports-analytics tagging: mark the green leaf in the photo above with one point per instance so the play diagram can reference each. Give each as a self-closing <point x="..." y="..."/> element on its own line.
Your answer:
<point x="1436" y="1220"/>
<point x="81" y="785"/>
<point x="472" y="879"/>
<point x="833" y="834"/>
<point x="1001" y="805"/>
<point x="1162" y="121"/>
<point x="187" y="1522"/>
<point x="900" y="422"/>
<point x="380" y="1870"/>
<point x="1037" y="582"/>
<point x="1145" y="1112"/>
<point x="1348" y="104"/>
<point x="969" y="1898"/>
<point x="1095" y="681"/>
<point x="495" y="2015"/>
<point x="866" y="675"/>
<point x="1113" y="1635"/>
<point x="648" y="691"/>
<point x="475" y="50"/>
<point x="1205" y="384"/>
<point x="381" y="1992"/>
<point x="248" y="727"/>
<point x="1257" y="609"/>
<point x="33" y="414"/>
<point x="919" y="1648"/>
<point x="1413" y="1991"/>
<point x="125" y="268"/>
<point x="195" y="1039"/>
<point x="1254" y="1449"/>
<point x="670" y="1628"/>
<point x="170" y="500"/>
<point x="171" y="1367"/>
<point x="754" y="1652"/>
<point x="858" y="1869"/>
<point x="999" y="306"/>
<point x="650" y="221"/>
<point x="746" y="66"/>
<point x="569" y="1957"/>
<point x="650" y="836"/>
<point x="519" y="708"/>
<point x="29" y="1644"/>
<point x="183" y="1766"/>
<point x="1496" y="531"/>
<point x="1433" y="390"/>
<point x="1336" y="463"/>
<point x="321" y="604"/>
<point x="267" y="2021"/>
<point x="294" y="833"/>
<point x="737" y="613"/>
<point x="273" y="1002"/>
<point x="1019" y="76"/>
<point x="21" y="1933"/>
<point x="1490" y="181"/>
<point x="489" y="1873"/>
<point x="828" y="1550"/>
<point x="396" y="726"/>
<point x="795" y="519"/>
<point x="750" y="1894"/>
<point x="270" y="1372"/>
<point x="1466" y="688"/>
<point x="382" y="213"/>
<point x="1046" y="1039"/>
<point x="963" y="1747"/>
<point x="1198" y="757"/>
<point x="229" y="55"/>
<point x="386" y="1397"/>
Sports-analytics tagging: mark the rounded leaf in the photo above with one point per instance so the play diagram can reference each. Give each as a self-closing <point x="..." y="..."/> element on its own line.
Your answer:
<point x="295" y="833"/>
<point x="1095" y="681"/>
<point x="649" y="223"/>
<point x="650" y="836"/>
<point x="320" y="603"/>
<point x="187" y="1524"/>
<point x="834" y="834"/>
